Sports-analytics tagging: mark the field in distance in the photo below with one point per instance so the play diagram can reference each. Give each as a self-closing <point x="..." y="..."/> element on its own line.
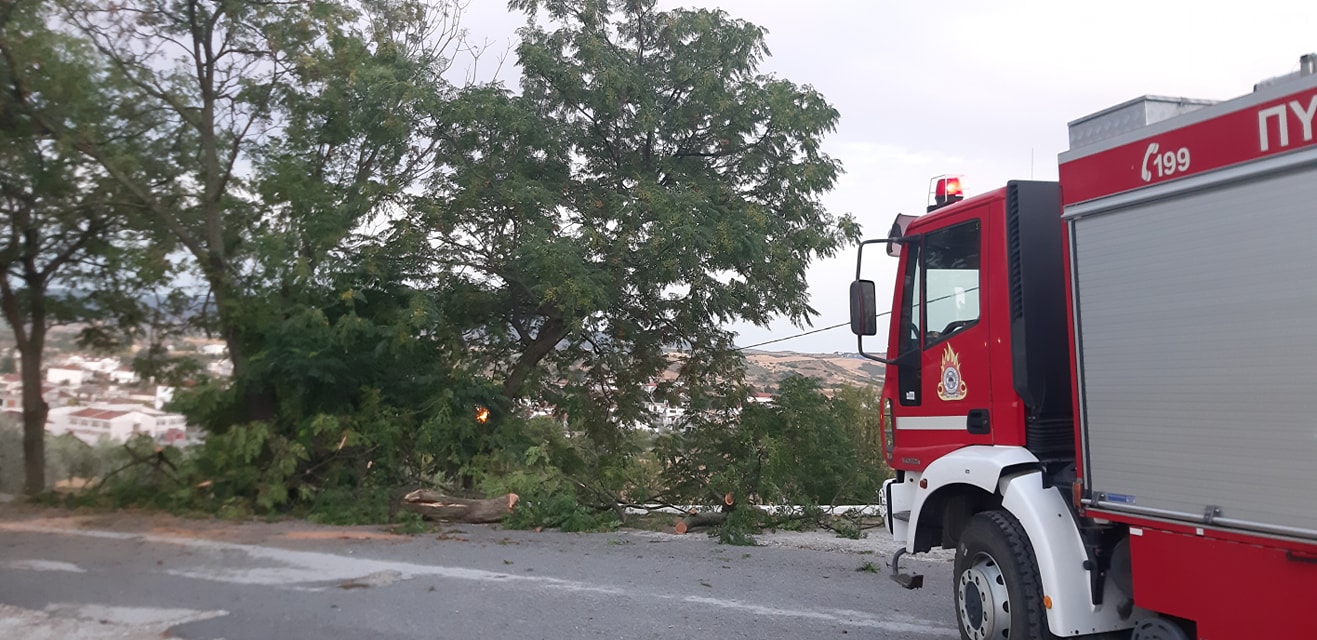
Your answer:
<point x="764" y="369"/>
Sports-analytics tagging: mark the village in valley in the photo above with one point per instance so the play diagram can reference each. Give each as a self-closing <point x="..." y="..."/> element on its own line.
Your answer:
<point x="100" y="398"/>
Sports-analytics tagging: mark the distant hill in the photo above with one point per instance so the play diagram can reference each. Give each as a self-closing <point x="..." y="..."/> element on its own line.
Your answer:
<point x="764" y="369"/>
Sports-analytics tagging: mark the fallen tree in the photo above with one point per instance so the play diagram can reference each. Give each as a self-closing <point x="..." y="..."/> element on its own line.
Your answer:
<point x="705" y="519"/>
<point x="437" y="506"/>
<point x="701" y="520"/>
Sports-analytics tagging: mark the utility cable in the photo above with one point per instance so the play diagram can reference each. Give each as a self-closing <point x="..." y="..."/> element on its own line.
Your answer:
<point x="798" y="335"/>
<point x="835" y="326"/>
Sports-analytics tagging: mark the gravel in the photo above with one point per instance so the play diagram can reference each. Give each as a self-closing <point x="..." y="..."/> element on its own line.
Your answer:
<point x="876" y="542"/>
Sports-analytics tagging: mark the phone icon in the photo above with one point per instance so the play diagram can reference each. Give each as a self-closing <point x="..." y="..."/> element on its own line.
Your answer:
<point x="1150" y="153"/>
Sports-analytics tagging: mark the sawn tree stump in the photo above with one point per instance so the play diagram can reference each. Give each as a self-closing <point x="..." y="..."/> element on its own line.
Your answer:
<point x="437" y="506"/>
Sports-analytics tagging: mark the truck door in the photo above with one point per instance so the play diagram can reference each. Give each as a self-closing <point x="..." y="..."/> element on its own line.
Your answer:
<point x="943" y="405"/>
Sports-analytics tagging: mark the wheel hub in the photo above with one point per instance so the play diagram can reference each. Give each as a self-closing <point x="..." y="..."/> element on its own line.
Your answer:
<point x="983" y="600"/>
<point x="973" y="602"/>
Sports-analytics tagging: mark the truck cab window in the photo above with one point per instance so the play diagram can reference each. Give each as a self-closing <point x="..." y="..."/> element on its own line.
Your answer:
<point x="951" y="281"/>
<point x="908" y="378"/>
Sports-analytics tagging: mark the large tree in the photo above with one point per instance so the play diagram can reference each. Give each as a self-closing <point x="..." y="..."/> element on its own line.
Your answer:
<point x="198" y="82"/>
<point x="59" y="214"/>
<point x="647" y="187"/>
<point x="265" y="134"/>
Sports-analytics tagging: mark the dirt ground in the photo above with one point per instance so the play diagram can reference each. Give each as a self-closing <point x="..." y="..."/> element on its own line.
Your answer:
<point x="876" y="542"/>
<point x="257" y="531"/>
<point x="159" y="523"/>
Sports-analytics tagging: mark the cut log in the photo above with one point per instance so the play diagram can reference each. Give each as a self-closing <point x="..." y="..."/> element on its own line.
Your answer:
<point x="700" y="521"/>
<point x="437" y="506"/>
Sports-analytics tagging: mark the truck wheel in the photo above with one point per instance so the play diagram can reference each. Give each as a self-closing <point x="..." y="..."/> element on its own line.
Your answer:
<point x="999" y="595"/>
<point x="1158" y="629"/>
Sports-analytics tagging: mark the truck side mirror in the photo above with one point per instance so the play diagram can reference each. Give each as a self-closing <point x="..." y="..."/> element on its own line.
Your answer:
<point x="864" y="308"/>
<point x="864" y="322"/>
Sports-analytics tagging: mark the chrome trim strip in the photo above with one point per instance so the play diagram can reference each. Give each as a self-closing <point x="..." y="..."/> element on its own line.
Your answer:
<point x="931" y="423"/>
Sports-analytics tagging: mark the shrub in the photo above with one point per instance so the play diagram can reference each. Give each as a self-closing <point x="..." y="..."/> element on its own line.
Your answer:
<point x="805" y="449"/>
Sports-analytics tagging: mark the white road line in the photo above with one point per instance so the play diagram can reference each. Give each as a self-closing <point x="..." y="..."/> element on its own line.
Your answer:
<point x="310" y="570"/>
<point x="94" y="622"/>
<point x="302" y="567"/>
<point x="151" y="617"/>
<point x="44" y="565"/>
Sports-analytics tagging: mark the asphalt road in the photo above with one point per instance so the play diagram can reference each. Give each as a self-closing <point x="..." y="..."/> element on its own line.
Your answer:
<point x="129" y="578"/>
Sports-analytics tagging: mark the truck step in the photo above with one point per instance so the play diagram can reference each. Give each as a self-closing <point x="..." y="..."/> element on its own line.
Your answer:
<point x="906" y="580"/>
<point x="902" y="515"/>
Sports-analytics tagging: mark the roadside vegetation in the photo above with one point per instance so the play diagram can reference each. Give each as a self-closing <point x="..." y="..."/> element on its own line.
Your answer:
<point x="806" y="449"/>
<point x="404" y="258"/>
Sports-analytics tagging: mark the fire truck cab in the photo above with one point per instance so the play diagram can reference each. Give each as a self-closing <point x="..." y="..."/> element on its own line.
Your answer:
<point x="1095" y="389"/>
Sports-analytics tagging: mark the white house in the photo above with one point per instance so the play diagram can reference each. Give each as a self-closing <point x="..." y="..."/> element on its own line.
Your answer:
<point x="124" y="375"/>
<point x="163" y="395"/>
<point x="70" y="376"/>
<point x="217" y="349"/>
<point x="101" y="365"/>
<point x="11" y="393"/>
<point x="220" y="368"/>
<point x="116" y="422"/>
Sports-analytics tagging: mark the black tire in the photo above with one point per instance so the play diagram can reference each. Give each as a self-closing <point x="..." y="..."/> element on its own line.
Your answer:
<point x="998" y="592"/>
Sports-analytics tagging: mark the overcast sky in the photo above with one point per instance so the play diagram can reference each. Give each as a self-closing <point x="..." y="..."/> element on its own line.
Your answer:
<point x="982" y="89"/>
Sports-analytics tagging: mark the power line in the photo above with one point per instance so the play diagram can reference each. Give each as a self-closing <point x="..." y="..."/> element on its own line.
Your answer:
<point x="798" y="335"/>
<point x="835" y="326"/>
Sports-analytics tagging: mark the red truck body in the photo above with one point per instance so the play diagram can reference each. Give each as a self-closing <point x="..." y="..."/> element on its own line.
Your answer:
<point x="1096" y="389"/>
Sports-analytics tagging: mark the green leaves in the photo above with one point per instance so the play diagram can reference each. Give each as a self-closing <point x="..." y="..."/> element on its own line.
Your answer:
<point x="385" y="251"/>
<point x="646" y="188"/>
<point x="67" y="249"/>
<point x="358" y="112"/>
<point x="804" y="449"/>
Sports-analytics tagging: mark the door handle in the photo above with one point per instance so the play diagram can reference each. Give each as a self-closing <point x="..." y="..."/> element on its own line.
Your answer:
<point x="977" y="422"/>
<point x="1300" y="557"/>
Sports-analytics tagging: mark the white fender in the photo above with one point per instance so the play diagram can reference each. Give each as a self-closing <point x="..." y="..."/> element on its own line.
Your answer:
<point x="1045" y="517"/>
<point x="978" y="465"/>
<point x="1059" y="550"/>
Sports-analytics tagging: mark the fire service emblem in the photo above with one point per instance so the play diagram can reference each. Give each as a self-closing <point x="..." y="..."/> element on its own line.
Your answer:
<point x="951" y="386"/>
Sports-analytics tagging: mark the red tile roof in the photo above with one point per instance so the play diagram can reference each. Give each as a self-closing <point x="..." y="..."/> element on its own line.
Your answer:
<point x="98" y="414"/>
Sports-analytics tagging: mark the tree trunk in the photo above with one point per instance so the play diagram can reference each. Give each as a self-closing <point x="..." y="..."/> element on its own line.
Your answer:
<point x="707" y="519"/>
<point x="35" y="411"/>
<point x="437" y="506"/>
<point x="700" y="521"/>
<point x="258" y="398"/>
<point x="30" y="335"/>
<point x="550" y="334"/>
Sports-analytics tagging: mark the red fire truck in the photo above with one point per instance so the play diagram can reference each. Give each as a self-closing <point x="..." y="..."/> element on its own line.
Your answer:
<point x="1096" y="389"/>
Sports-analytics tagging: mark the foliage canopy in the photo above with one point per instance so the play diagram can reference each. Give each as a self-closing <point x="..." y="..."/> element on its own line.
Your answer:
<point x="646" y="187"/>
<point x="384" y="251"/>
